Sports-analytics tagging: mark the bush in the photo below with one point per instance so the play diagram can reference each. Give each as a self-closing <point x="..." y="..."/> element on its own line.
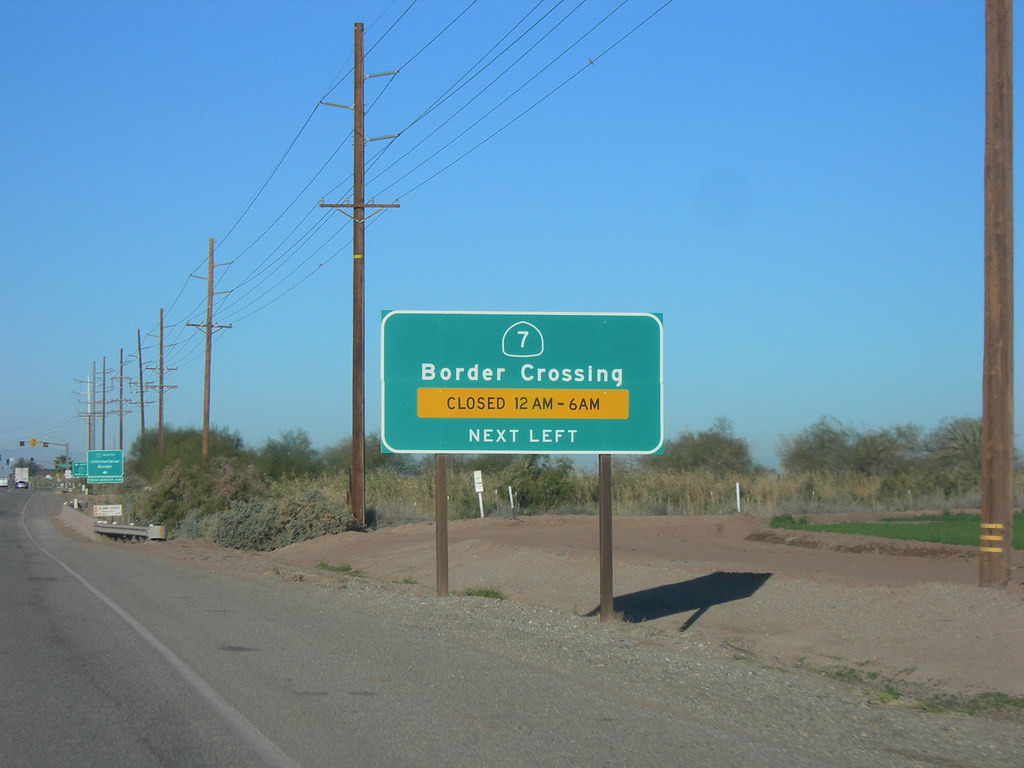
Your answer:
<point x="190" y="526"/>
<point x="206" y="489"/>
<point x="246" y="525"/>
<point x="716" y="450"/>
<point x="310" y="513"/>
<point x="180" y="445"/>
<point x="544" y="483"/>
<point x="292" y="514"/>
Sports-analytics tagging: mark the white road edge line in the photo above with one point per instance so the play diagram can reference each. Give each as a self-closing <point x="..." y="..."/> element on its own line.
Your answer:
<point x="235" y="719"/>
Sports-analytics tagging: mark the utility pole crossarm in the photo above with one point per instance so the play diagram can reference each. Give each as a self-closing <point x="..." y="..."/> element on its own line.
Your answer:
<point x="202" y="325"/>
<point x="360" y="205"/>
<point x="363" y="207"/>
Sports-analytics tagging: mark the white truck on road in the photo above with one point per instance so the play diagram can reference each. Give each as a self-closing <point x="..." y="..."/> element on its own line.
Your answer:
<point x="21" y="477"/>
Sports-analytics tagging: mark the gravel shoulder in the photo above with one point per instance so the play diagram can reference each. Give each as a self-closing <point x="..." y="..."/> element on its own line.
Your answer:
<point x="887" y="615"/>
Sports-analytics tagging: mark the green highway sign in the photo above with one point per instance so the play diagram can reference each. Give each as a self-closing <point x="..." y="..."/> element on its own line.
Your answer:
<point x="104" y="466"/>
<point x="521" y="382"/>
<point x="79" y="468"/>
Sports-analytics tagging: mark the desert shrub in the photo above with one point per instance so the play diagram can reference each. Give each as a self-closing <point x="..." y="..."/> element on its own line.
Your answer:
<point x="544" y="483"/>
<point x="717" y="450"/>
<point x="293" y="511"/>
<point x="207" y="488"/>
<point x="290" y="455"/>
<point x="338" y="457"/>
<point x="182" y="445"/>
<point x="247" y="525"/>
<point x="308" y="513"/>
<point x="190" y="526"/>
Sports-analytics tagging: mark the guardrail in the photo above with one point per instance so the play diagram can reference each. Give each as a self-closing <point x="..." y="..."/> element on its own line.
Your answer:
<point x="151" y="532"/>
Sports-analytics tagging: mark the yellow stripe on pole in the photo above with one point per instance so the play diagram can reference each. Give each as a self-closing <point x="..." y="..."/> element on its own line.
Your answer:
<point x="990" y="549"/>
<point x="991" y="538"/>
<point x="992" y="525"/>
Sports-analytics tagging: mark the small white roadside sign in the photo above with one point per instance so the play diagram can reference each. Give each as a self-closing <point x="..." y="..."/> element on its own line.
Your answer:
<point x="478" y="486"/>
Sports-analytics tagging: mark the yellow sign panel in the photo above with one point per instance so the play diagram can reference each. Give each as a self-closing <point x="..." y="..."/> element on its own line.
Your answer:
<point x="482" y="403"/>
<point x="33" y="442"/>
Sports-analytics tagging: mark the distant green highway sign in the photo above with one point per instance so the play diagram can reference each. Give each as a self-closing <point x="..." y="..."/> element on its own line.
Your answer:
<point x="79" y="468"/>
<point x="105" y="466"/>
<point x="524" y="382"/>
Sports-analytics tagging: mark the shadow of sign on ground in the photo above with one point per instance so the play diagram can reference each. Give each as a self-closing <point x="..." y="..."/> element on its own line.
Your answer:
<point x="697" y="595"/>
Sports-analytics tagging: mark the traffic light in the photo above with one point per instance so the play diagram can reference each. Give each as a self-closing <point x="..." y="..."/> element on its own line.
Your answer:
<point x="46" y="445"/>
<point x="21" y="443"/>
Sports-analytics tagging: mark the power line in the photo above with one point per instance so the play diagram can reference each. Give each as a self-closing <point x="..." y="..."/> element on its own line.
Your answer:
<point x="327" y="162"/>
<point x="267" y="282"/>
<point x="508" y="97"/>
<point x="263" y="267"/>
<point x="277" y="263"/>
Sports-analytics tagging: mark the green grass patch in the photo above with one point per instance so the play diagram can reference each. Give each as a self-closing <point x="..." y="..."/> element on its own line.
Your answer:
<point x="847" y="674"/>
<point x="339" y="568"/>
<point x="492" y="592"/>
<point x="888" y="690"/>
<point x="889" y="694"/>
<point x="953" y="528"/>
<point x="990" y="704"/>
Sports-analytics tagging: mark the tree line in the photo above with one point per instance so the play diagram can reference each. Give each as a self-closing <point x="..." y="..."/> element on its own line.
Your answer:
<point x="826" y="465"/>
<point x="948" y="455"/>
<point x="946" y="458"/>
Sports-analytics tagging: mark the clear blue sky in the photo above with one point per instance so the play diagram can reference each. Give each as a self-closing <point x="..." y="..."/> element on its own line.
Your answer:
<point x="796" y="185"/>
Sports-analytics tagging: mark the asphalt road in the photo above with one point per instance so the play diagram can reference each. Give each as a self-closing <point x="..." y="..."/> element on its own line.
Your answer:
<point x="109" y="659"/>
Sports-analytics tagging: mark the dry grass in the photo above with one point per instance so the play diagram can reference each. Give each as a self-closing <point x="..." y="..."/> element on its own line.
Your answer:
<point x="399" y="498"/>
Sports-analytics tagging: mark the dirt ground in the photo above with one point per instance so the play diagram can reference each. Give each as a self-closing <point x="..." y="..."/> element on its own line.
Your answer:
<point x="907" y="612"/>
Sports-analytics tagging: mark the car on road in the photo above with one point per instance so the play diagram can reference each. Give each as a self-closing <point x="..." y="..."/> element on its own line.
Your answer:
<point x="21" y="483"/>
<point x="4" y="482"/>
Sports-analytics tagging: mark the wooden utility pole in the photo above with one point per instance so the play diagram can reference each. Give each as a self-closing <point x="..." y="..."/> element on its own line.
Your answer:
<point x="358" y="215"/>
<point x="103" y="407"/>
<point x="122" y="404"/>
<point x="210" y="328"/>
<point x="91" y="399"/>
<point x="87" y="414"/>
<point x="121" y="409"/>
<point x="161" y="369"/>
<point x="120" y="400"/>
<point x="997" y="377"/>
<point x="160" y="391"/>
<point x="142" y="393"/>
